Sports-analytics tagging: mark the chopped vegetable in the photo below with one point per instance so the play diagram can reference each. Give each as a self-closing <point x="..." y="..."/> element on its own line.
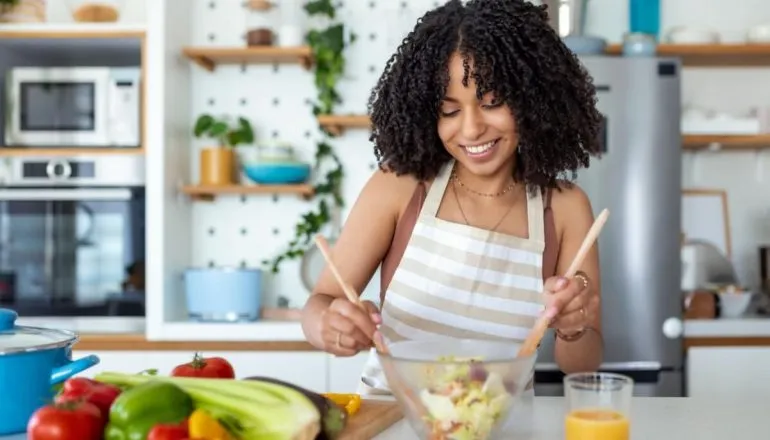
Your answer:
<point x="212" y="367"/>
<point x="81" y="388"/>
<point x="74" y="420"/>
<point x="136" y="411"/>
<point x="169" y="431"/>
<point x="250" y="409"/>
<point x="351" y="402"/>
<point x="465" y="401"/>
<point x="203" y="425"/>
<point x="333" y="417"/>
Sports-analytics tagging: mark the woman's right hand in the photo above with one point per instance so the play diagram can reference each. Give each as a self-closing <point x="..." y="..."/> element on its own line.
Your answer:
<point x="346" y="329"/>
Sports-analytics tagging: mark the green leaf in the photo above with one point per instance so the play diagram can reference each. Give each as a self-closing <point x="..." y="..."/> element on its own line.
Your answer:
<point x="321" y="7"/>
<point x="202" y="124"/>
<point x="218" y="129"/>
<point x="247" y="132"/>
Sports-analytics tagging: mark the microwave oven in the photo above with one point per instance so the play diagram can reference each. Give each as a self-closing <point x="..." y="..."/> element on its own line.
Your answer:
<point x="53" y="107"/>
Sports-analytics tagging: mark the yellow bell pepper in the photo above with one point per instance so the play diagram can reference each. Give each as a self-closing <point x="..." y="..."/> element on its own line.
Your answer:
<point x="202" y="425"/>
<point x="351" y="402"/>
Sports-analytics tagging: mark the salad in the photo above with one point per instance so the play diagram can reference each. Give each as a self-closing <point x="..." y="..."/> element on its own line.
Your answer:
<point x="463" y="401"/>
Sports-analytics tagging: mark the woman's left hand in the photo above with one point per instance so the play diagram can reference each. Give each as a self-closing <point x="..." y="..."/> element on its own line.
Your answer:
<point x="569" y="303"/>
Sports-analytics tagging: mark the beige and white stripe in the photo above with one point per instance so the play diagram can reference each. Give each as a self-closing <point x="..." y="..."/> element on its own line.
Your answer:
<point x="461" y="282"/>
<point x="458" y="281"/>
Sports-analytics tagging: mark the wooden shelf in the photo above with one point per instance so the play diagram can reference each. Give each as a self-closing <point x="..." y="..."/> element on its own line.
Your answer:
<point x="711" y="55"/>
<point x="208" y="193"/>
<point x="336" y="124"/>
<point x="209" y="57"/>
<point x="726" y="142"/>
<point x="26" y="152"/>
<point x="75" y="30"/>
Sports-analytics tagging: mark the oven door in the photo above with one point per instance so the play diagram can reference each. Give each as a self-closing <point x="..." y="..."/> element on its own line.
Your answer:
<point x="57" y="107"/>
<point x="72" y="251"/>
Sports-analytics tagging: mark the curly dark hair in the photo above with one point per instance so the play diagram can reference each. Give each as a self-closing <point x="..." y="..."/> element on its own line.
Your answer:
<point x="517" y="55"/>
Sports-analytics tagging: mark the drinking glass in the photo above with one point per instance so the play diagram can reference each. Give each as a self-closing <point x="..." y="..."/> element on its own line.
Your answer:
<point x="598" y="406"/>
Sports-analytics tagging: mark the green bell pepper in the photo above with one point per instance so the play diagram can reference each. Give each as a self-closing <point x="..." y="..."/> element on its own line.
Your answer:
<point x="137" y="410"/>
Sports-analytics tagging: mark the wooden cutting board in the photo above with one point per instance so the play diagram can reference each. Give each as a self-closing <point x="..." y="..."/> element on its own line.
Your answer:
<point x="374" y="417"/>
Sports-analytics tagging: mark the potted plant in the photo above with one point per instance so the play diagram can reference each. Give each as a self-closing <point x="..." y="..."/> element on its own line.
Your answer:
<point x="217" y="163"/>
<point x="22" y="11"/>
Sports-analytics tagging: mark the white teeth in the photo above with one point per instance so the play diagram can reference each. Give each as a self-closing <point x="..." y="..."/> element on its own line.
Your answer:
<point x="478" y="149"/>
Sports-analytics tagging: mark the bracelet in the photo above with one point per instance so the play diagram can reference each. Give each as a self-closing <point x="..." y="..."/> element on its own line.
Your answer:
<point x="583" y="279"/>
<point x="570" y="337"/>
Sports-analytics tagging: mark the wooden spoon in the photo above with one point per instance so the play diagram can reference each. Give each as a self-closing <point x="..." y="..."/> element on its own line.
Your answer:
<point x="541" y="326"/>
<point x="350" y="293"/>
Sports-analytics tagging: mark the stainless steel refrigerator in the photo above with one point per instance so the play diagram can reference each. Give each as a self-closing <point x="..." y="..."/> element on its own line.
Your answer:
<point x="638" y="179"/>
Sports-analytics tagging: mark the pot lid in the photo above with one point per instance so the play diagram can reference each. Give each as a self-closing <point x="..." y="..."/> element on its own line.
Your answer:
<point x="15" y="338"/>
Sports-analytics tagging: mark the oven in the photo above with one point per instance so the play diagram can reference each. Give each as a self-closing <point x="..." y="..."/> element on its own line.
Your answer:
<point x="95" y="107"/>
<point x="72" y="236"/>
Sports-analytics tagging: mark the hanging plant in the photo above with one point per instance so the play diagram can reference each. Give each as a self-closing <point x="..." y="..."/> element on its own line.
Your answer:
<point x="327" y="46"/>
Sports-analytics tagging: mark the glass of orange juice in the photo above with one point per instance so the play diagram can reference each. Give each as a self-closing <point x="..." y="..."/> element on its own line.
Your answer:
<point x="598" y="406"/>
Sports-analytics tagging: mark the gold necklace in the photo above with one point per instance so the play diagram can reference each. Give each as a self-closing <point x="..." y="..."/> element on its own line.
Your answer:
<point x="497" y="194"/>
<point x="465" y="219"/>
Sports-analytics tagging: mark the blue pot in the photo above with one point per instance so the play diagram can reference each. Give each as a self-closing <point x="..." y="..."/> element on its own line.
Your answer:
<point x="223" y="294"/>
<point x="277" y="173"/>
<point x="32" y="361"/>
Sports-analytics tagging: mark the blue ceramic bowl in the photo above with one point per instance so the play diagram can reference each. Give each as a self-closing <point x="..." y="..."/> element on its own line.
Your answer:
<point x="277" y="173"/>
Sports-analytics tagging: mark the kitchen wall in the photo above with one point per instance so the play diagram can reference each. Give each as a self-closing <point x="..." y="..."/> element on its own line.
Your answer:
<point x="234" y="231"/>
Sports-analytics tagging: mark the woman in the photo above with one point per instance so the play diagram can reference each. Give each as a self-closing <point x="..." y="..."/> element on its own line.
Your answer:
<point x="477" y="115"/>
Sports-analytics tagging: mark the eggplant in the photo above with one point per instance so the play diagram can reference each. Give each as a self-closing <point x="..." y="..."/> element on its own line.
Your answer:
<point x="333" y="418"/>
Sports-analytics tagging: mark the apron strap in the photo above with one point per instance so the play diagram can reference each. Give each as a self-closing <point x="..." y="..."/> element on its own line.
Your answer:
<point x="436" y="191"/>
<point x="535" y="221"/>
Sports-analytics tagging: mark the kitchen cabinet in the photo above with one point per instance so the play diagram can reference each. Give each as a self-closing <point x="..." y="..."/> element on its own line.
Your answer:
<point x="723" y="373"/>
<point x="345" y="373"/>
<point x="306" y="369"/>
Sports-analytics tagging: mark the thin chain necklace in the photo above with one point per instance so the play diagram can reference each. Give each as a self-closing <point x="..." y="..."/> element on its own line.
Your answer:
<point x="497" y="194"/>
<point x="465" y="219"/>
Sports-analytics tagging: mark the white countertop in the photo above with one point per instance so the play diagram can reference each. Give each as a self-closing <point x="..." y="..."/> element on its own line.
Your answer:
<point x="748" y="326"/>
<point x="651" y="419"/>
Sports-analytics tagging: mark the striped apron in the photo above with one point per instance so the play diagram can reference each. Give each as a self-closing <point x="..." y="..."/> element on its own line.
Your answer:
<point x="461" y="282"/>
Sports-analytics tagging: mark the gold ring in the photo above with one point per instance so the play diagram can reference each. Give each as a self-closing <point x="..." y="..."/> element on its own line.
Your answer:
<point x="339" y="336"/>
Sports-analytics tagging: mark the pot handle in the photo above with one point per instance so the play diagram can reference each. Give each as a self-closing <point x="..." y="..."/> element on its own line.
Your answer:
<point x="60" y="374"/>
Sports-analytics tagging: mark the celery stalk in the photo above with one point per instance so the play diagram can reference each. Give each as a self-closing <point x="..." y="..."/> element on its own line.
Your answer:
<point x="256" y="410"/>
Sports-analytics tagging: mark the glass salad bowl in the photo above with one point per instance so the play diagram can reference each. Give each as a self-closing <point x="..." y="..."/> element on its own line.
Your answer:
<point x="457" y="390"/>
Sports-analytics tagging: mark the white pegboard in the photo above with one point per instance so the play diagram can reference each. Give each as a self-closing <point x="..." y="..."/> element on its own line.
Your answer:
<point x="235" y="231"/>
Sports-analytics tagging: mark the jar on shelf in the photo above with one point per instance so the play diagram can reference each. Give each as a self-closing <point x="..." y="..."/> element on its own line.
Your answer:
<point x="292" y="28"/>
<point x="95" y="11"/>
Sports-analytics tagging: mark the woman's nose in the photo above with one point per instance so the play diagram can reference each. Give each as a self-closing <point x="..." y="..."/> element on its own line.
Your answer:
<point x="472" y="125"/>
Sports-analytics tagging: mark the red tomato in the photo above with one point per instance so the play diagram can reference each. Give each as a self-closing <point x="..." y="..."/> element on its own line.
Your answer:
<point x="66" y="421"/>
<point x="169" y="432"/>
<point x="80" y="388"/>
<point x="213" y="367"/>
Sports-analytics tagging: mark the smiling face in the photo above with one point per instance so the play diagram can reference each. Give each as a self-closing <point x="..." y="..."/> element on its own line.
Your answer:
<point x="480" y="134"/>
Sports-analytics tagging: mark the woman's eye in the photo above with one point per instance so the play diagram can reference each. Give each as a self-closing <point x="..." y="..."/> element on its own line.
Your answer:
<point x="493" y="104"/>
<point x="448" y="113"/>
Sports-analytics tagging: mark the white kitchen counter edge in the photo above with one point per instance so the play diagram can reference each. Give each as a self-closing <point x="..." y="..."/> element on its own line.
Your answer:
<point x="261" y="331"/>
<point x="750" y="326"/>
